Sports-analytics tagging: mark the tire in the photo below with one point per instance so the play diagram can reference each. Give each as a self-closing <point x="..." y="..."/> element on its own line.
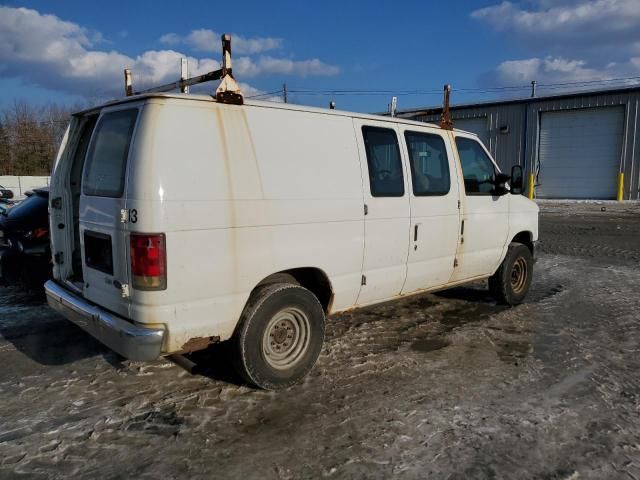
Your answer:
<point x="279" y="278"/>
<point x="510" y="284"/>
<point x="279" y="336"/>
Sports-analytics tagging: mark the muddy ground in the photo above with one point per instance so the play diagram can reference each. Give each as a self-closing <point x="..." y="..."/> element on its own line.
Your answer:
<point x="445" y="385"/>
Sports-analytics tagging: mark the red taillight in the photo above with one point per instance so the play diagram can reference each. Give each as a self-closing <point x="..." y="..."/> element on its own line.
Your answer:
<point x="148" y="261"/>
<point x="37" y="233"/>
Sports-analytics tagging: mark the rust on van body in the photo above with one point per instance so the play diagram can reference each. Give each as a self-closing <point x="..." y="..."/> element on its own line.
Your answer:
<point x="247" y="129"/>
<point x="198" y="343"/>
<point x="231" y="196"/>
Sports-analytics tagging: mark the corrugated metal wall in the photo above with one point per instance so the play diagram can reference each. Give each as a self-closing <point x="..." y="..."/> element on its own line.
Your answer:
<point x="520" y="144"/>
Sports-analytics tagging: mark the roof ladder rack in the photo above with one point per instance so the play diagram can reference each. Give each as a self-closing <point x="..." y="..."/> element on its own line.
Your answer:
<point x="446" y="123"/>
<point x="228" y="90"/>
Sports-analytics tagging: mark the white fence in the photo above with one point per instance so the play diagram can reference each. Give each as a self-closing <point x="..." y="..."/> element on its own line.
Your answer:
<point x="20" y="185"/>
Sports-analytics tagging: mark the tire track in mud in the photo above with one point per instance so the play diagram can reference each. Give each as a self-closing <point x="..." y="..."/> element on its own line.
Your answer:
<point x="588" y="232"/>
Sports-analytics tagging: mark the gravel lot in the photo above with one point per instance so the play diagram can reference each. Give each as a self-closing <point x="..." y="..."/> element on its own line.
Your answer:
<point x="446" y="385"/>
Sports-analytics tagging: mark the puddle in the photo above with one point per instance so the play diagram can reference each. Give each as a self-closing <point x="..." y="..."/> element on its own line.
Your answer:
<point x="509" y="329"/>
<point x="12" y="298"/>
<point x="430" y="345"/>
<point x="158" y="422"/>
<point x="472" y="312"/>
<point x="538" y="296"/>
<point x="423" y="302"/>
<point x="471" y="293"/>
<point x="555" y="290"/>
<point x="513" y="352"/>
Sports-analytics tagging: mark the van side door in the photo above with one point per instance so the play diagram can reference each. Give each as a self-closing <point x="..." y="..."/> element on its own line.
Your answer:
<point x="435" y="212"/>
<point x="485" y="216"/>
<point x="386" y="204"/>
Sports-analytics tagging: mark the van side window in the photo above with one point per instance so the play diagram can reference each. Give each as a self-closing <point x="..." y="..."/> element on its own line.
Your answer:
<point x="385" y="165"/>
<point x="429" y="164"/>
<point x="477" y="168"/>
<point x="106" y="162"/>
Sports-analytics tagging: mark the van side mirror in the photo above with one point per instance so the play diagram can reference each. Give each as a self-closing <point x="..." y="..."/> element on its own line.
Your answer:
<point x="517" y="180"/>
<point x="499" y="184"/>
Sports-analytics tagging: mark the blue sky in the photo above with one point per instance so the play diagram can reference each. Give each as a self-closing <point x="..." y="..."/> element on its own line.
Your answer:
<point x="75" y="51"/>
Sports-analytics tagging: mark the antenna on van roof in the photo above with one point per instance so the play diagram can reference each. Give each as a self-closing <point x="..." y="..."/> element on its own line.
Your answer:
<point x="228" y="90"/>
<point x="445" y="120"/>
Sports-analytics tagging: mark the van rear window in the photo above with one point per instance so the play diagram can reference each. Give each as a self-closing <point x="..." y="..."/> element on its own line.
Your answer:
<point x="104" y="170"/>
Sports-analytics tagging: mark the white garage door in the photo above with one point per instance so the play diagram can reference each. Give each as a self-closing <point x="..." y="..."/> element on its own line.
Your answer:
<point x="479" y="126"/>
<point x="579" y="153"/>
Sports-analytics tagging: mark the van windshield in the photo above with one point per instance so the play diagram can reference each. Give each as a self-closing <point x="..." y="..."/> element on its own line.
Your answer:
<point x="106" y="163"/>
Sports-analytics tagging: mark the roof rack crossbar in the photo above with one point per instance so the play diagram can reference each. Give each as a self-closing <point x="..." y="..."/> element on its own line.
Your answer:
<point x="187" y="82"/>
<point x="227" y="92"/>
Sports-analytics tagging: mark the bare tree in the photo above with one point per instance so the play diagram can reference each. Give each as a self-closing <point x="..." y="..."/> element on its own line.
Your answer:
<point x="30" y="136"/>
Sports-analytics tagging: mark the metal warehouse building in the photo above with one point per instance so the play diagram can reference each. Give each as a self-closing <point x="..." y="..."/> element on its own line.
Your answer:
<point x="582" y="145"/>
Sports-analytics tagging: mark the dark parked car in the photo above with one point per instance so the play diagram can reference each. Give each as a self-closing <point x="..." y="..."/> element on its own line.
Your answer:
<point x="5" y="205"/>
<point x="5" y="193"/>
<point x="25" y="254"/>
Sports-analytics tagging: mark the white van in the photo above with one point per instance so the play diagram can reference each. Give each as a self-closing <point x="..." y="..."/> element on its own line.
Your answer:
<point x="178" y="221"/>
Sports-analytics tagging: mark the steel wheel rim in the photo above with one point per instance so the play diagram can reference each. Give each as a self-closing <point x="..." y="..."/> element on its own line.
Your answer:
<point x="286" y="338"/>
<point x="519" y="275"/>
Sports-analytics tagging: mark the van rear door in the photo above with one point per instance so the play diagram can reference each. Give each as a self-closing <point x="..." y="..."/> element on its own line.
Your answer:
<point x="103" y="215"/>
<point x="64" y="196"/>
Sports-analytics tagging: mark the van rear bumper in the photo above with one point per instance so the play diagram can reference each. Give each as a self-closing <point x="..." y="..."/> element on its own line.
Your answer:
<point x="127" y="339"/>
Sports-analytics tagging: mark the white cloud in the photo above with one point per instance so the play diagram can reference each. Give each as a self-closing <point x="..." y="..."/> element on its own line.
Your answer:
<point x="56" y="54"/>
<point x="170" y="39"/>
<point x="52" y="37"/>
<point x="46" y="51"/>
<point x="205" y="40"/>
<point x="554" y="70"/>
<point x="567" y="40"/>
<point x="246" y="67"/>
<point x="564" y="18"/>
<point x="550" y="68"/>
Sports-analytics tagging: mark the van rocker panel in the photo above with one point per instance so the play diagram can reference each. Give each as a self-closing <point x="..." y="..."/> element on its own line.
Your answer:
<point x="129" y="340"/>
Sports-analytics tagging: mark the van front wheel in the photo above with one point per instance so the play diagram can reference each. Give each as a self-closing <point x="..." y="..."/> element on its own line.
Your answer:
<point x="280" y="336"/>
<point x="510" y="284"/>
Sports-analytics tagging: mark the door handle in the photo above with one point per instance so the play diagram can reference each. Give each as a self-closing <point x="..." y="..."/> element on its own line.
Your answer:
<point x="462" y="228"/>
<point x="415" y="232"/>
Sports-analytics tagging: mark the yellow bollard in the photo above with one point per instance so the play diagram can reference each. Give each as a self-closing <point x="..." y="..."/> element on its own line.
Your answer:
<point x="620" y="186"/>
<point x="531" y="185"/>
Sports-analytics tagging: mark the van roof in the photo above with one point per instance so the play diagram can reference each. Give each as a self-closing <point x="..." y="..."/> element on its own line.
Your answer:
<point x="259" y="103"/>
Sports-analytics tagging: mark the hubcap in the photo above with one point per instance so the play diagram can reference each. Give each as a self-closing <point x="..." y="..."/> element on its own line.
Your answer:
<point x="519" y="275"/>
<point x="286" y="338"/>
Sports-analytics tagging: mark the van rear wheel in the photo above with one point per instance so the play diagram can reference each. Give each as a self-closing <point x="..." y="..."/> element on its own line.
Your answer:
<point x="279" y="337"/>
<point x="510" y="284"/>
